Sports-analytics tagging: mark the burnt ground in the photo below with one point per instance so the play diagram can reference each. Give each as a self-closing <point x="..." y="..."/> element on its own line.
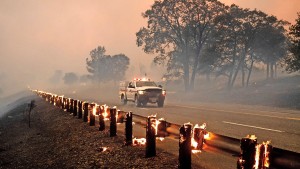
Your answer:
<point x="57" y="139"/>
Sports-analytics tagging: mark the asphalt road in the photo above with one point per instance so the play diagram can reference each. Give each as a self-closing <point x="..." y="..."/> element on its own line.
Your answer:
<point x="280" y="126"/>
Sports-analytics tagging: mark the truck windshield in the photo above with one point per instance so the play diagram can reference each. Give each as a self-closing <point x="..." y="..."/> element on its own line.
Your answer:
<point x="145" y="83"/>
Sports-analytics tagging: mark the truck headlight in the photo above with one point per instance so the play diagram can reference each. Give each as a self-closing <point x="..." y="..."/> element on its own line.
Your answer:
<point x="141" y="91"/>
<point x="164" y="92"/>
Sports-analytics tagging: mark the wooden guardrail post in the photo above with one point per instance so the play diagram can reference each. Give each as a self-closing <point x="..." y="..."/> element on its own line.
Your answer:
<point x="150" y="137"/>
<point x="85" y="111"/>
<point x="128" y="128"/>
<point x="113" y="122"/>
<point x="185" y="152"/>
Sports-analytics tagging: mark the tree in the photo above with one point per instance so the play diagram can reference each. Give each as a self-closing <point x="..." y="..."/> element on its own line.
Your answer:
<point x="177" y="31"/>
<point x="271" y="44"/>
<point x="119" y="66"/>
<point x="293" y="60"/>
<point x="105" y="67"/>
<point x="246" y="37"/>
<point x="70" y="78"/>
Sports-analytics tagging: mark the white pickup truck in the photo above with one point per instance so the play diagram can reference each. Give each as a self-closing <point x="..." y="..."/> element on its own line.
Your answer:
<point x="141" y="92"/>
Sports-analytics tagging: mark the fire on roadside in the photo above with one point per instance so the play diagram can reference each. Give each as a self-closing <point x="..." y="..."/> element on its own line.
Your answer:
<point x="199" y="135"/>
<point x="139" y="141"/>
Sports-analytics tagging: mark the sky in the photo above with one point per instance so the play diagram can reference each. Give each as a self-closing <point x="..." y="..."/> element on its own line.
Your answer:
<point x="38" y="37"/>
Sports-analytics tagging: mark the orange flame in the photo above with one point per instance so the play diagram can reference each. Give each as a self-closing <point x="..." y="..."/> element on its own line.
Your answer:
<point x="257" y="153"/>
<point x="160" y="138"/>
<point x="95" y="109"/>
<point x="266" y="154"/>
<point x="194" y="143"/>
<point x="105" y="114"/>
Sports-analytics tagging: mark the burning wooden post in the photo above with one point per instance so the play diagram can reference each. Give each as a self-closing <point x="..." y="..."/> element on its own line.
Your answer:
<point x="265" y="154"/>
<point x="75" y="108"/>
<point x="92" y="114"/>
<point x="85" y="111"/>
<point x="71" y="106"/>
<point x="161" y="129"/>
<point x="128" y="128"/>
<point x="79" y="109"/>
<point x="120" y="116"/>
<point x="68" y="105"/>
<point x="150" y="137"/>
<point x="254" y="155"/>
<point x="185" y="154"/>
<point x="198" y="139"/>
<point x="101" y="119"/>
<point x="248" y="147"/>
<point x="60" y="102"/>
<point x="113" y="122"/>
<point x="63" y="103"/>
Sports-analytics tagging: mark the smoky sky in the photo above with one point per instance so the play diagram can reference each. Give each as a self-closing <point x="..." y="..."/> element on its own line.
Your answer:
<point x="39" y="37"/>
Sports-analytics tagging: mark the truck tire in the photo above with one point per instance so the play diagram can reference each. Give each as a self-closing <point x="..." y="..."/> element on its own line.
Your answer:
<point x="160" y="103"/>
<point x="137" y="102"/>
<point x="123" y="100"/>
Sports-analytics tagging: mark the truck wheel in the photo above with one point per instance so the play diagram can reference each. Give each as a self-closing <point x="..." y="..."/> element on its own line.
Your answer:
<point x="160" y="103"/>
<point x="137" y="102"/>
<point x="123" y="100"/>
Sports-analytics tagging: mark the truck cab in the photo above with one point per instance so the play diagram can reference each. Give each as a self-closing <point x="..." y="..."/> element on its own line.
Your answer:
<point x="142" y="92"/>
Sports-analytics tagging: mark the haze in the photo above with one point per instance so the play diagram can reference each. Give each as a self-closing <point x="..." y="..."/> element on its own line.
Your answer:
<point x="39" y="37"/>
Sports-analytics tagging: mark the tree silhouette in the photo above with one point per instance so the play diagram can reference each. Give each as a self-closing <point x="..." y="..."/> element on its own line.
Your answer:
<point x="104" y="67"/>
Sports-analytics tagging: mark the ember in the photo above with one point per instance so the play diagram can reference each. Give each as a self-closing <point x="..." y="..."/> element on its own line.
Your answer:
<point x="138" y="141"/>
<point x="102" y="149"/>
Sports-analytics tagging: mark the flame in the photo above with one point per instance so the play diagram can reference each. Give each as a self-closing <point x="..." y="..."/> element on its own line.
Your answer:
<point x="102" y="149"/>
<point x="266" y="154"/>
<point x="196" y="151"/>
<point x="105" y="114"/>
<point x="95" y="109"/>
<point x="194" y="143"/>
<point x="252" y="137"/>
<point x="157" y="122"/>
<point x="160" y="138"/>
<point x="139" y="141"/>
<point x="257" y="153"/>
<point x="207" y="136"/>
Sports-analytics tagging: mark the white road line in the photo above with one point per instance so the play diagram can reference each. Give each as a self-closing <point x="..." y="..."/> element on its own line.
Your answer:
<point x="245" y="125"/>
<point x="228" y="111"/>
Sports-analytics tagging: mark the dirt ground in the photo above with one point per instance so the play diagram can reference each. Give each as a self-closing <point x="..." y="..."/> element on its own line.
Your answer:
<point x="57" y="139"/>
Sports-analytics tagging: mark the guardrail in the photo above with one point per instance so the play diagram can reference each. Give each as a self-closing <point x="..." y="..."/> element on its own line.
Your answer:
<point x="279" y="158"/>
